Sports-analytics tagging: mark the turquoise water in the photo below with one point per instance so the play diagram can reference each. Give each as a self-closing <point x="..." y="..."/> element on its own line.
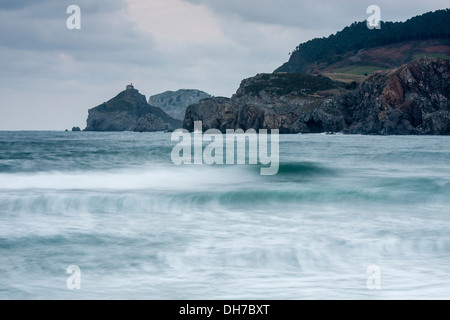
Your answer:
<point x="140" y="227"/>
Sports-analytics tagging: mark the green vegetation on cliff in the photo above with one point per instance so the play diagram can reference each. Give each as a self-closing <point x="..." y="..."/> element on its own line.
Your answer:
<point x="431" y="25"/>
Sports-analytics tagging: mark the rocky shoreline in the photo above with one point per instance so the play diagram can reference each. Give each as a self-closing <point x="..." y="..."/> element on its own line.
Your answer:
<point x="413" y="99"/>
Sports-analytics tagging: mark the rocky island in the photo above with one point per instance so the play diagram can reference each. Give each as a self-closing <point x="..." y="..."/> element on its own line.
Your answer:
<point x="129" y="111"/>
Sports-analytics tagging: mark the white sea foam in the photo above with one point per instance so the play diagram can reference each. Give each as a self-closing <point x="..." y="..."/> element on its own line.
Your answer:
<point x="192" y="177"/>
<point x="139" y="227"/>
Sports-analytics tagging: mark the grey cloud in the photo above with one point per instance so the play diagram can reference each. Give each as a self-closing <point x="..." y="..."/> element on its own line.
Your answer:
<point x="292" y="13"/>
<point x="16" y="5"/>
<point x="36" y="34"/>
<point x="52" y="8"/>
<point x="314" y="14"/>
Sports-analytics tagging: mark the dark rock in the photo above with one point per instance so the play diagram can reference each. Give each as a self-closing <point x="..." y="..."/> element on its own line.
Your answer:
<point x="76" y="129"/>
<point x="411" y="99"/>
<point x="289" y="102"/>
<point x="129" y="111"/>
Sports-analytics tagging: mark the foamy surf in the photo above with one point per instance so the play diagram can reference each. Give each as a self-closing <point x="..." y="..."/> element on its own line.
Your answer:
<point x="138" y="226"/>
<point x="142" y="178"/>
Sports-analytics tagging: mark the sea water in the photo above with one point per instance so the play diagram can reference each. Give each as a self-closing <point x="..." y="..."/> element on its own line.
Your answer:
<point x="139" y="227"/>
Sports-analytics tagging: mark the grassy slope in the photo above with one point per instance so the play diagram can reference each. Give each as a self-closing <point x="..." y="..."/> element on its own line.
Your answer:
<point x="355" y="65"/>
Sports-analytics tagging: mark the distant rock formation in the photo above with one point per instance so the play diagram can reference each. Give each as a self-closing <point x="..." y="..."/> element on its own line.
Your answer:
<point x="76" y="129"/>
<point x="176" y="103"/>
<point x="129" y="111"/>
<point x="411" y="99"/>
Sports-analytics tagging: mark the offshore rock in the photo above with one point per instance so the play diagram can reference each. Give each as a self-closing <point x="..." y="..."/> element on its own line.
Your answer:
<point x="129" y="111"/>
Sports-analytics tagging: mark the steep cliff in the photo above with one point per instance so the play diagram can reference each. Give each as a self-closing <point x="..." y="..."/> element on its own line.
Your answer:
<point x="411" y="99"/>
<point x="129" y="111"/>
<point x="289" y="102"/>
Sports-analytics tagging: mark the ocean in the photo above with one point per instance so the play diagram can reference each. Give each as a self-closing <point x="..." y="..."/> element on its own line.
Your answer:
<point x="108" y="216"/>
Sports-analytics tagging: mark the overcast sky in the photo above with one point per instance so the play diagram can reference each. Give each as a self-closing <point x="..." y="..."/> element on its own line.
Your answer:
<point x="50" y="76"/>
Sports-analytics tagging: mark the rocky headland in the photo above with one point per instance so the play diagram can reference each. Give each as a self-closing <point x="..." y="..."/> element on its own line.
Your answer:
<point x="411" y="99"/>
<point x="393" y="80"/>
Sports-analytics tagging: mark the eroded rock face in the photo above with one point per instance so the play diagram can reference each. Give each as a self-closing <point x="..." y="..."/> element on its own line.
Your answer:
<point x="289" y="102"/>
<point x="129" y="111"/>
<point x="412" y="99"/>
